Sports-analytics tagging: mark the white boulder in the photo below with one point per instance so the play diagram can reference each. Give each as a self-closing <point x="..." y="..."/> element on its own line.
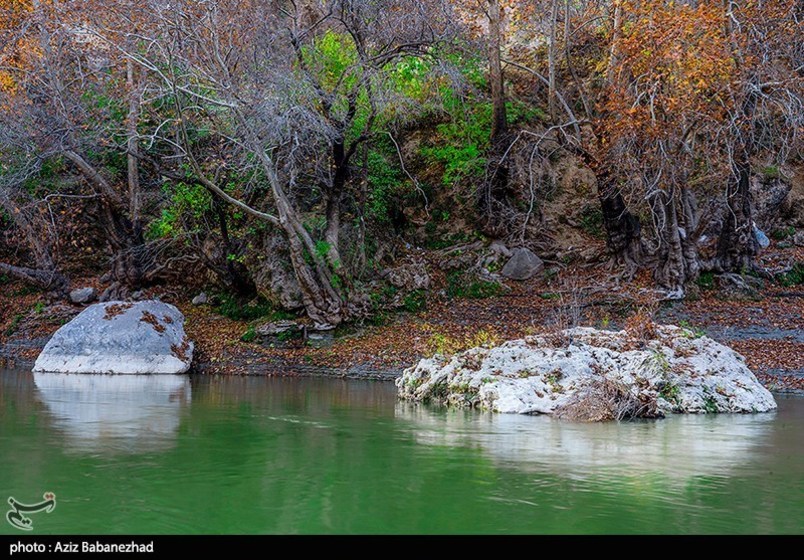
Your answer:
<point x="593" y="375"/>
<point x="120" y="337"/>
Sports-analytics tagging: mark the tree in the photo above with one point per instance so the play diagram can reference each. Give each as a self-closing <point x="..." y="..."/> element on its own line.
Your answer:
<point x="292" y="95"/>
<point x="765" y="112"/>
<point x="68" y="102"/>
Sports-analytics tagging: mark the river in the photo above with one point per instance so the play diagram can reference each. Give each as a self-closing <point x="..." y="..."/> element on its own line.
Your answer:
<point x="139" y="454"/>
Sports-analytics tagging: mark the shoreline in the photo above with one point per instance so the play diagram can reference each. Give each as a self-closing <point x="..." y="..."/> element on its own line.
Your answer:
<point x="766" y="326"/>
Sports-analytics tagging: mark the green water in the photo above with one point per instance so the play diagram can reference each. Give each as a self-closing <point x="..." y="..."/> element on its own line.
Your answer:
<point x="261" y="455"/>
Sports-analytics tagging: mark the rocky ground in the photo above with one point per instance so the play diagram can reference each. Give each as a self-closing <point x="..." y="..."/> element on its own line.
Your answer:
<point x="763" y="320"/>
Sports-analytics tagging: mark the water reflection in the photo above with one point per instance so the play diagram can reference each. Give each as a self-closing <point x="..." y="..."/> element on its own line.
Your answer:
<point x="115" y="413"/>
<point x="679" y="446"/>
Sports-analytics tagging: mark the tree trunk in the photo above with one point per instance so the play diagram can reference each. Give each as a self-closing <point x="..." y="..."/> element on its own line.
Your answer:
<point x="234" y="274"/>
<point x="623" y="230"/>
<point x="551" y="62"/>
<point x="492" y="194"/>
<point x="616" y="33"/>
<point x="132" y="144"/>
<point x="737" y="246"/>
<point x="499" y="120"/>
<point x="46" y="279"/>
<point x="677" y="255"/>
<point x="322" y="300"/>
<point x="125" y="240"/>
<point x="334" y="195"/>
<point x="690" y="224"/>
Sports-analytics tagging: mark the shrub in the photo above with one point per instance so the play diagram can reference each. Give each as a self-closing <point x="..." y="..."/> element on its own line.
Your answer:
<point x="592" y="222"/>
<point x="250" y="335"/>
<point x="771" y="172"/>
<point x="794" y="277"/>
<point x="415" y="301"/>
<point x="447" y="345"/>
<point x="231" y="308"/>
<point x="781" y="234"/>
<point x="706" y="281"/>
<point x="459" y="287"/>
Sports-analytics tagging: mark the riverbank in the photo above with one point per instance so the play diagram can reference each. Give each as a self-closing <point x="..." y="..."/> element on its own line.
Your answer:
<point x="764" y="323"/>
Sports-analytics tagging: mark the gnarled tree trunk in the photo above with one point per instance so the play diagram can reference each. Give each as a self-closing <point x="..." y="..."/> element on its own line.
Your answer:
<point x="51" y="280"/>
<point x="492" y="194"/>
<point x="737" y="246"/>
<point x="623" y="230"/>
<point x="124" y="237"/>
<point x="677" y="257"/>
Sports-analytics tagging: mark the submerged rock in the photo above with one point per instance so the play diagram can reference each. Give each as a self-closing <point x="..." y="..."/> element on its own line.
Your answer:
<point x="588" y="374"/>
<point x="120" y="337"/>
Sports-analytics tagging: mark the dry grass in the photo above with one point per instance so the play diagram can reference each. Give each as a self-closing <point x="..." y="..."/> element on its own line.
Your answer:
<point x="606" y="400"/>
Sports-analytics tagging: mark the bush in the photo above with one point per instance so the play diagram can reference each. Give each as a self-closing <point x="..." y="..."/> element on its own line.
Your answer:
<point x="187" y="202"/>
<point x="458" y="286"/>
<point x="415" y="301"/>
<point x="781" y="234"/>
<point x="794" y="277"/>
<point x="706" y="281"/>
<point x="592" y="222"/>
<point x="771" y="172"/>
<point x="236" y="310"/>
<point x="385" y="183"/>
<point x="250" y="335"/>
<point x="447" y="345"/>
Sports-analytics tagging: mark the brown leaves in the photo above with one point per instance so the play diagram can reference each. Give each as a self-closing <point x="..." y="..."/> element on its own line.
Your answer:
<point x="116" y="309"/>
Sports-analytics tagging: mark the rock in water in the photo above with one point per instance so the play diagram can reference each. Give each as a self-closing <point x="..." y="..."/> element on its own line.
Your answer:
<point x="120" y="337"/>
<point x="585" y="373"/>
<point x="523" y="265"/>
<point x="84" y="295"/>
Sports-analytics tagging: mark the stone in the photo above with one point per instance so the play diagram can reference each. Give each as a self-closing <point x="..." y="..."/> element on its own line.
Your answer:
<point x="798" y="238"/>
<point x="523" y="265"/>
<point x="201" y="299"/>
<point x="278" y="327"/>
<point x="498" y="246"/>
<point x="145" y="337"/>
<point x="769" y="194"/>
<point x="83" y="295"/>
<point x="408" y="277"/>
<point x="676" y="371"/>
<point x="274" y="277"/>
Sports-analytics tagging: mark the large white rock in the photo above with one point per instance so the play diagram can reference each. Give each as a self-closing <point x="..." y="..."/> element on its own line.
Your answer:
<point x="120" y="337"/>
<point x="677" y="370"/>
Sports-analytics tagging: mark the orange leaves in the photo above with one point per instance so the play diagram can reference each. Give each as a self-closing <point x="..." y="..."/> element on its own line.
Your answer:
<point x="674" y="67"/>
